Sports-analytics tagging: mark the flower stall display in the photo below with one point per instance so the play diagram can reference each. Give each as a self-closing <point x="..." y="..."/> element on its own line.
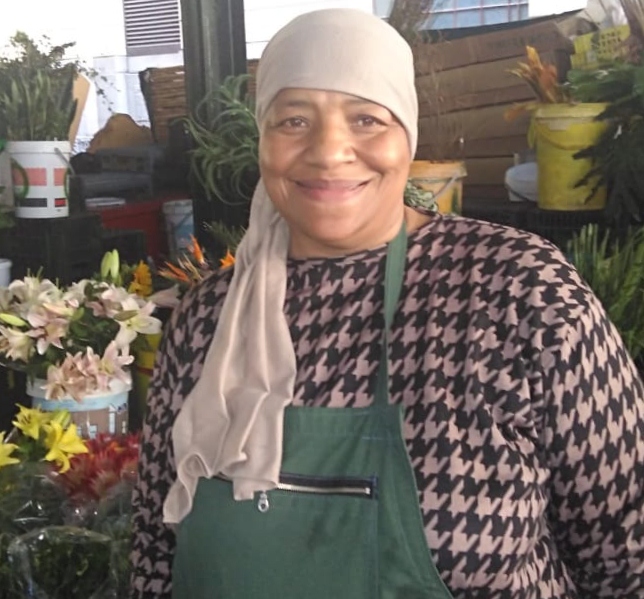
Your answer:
<point x="65" y="509"/>
<point x="75" y="344"/>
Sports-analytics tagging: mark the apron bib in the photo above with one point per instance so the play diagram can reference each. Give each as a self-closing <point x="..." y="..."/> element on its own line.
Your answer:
<point x="344" y="522"/>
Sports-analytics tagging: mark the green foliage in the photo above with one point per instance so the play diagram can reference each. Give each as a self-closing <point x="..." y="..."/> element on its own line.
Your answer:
<point x="61" y="562"/>
<point x="618" y="156"/>
<point x="615" y="273"/>
<point x="36" y="91"/>
<point x="225" y="158"/>
<point x="619" y="84"/>
<point x="228" y="237"/>
<point x="418" y="198"/>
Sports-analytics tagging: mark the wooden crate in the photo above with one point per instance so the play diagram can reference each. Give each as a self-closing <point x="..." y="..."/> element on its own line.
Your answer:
<point x="164" y="90"/>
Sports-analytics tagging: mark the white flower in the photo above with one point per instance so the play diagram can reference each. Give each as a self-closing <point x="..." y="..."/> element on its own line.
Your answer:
<point x="135" y="320"/>
<point x="31" y="291"/>
<point x="50" y="324"/>
<point x="75" y="293"/>
<point x="16" y="345"/>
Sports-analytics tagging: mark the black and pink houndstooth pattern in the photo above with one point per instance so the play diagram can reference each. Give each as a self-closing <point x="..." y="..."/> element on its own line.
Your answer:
<point x="524" y="416"/>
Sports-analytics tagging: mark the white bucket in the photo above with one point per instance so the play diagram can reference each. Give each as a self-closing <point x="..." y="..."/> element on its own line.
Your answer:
<point x="99" y="412"/>
<point x="39" y="173"/>
<point x="179" y="224"/>
<point x="5" y="272"/>
<point x="521" y="182"/>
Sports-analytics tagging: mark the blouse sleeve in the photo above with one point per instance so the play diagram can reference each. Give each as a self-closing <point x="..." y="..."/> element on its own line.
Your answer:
<point x="180" y="358"/>
<point x="595" y="443"/>
<point x="152" y="541"/>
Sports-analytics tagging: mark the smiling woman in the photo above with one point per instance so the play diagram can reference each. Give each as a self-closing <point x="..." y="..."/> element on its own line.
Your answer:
<point x="335" y="167"/>
<point x="377" y="402"/>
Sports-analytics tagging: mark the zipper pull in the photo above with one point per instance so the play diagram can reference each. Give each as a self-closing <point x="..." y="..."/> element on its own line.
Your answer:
<point x="262" y="503"/>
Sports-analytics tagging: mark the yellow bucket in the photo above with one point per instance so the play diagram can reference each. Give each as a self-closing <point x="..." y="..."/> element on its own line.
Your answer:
<point x="443" y="179"/>
<point x="562" y="130"/>
<point x="142" y="371"/>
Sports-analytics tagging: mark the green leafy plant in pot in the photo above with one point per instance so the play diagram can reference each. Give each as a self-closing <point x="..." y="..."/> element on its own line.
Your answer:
<point x="618" y="156"/>
<point x="37" y="107"/>
<point x="224" y="159"/>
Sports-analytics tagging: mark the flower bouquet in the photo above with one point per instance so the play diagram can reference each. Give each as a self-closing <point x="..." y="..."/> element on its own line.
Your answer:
<point x="76" y="342"/>
<point x="65" y="510"/>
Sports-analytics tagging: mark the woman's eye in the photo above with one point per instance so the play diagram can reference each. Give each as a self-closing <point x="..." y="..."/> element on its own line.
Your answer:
<point x="293" y="123"/>
<point x="367" y="120"/>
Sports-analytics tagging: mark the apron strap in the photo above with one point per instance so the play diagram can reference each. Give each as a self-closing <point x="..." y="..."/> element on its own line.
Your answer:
<point x="394" y="274"/>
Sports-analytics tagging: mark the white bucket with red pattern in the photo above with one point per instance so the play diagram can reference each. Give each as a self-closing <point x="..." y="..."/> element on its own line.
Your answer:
<point x="39" y="174"/>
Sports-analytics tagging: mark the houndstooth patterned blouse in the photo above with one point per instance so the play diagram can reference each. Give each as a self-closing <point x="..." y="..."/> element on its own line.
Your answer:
<point x="524" y="416"/>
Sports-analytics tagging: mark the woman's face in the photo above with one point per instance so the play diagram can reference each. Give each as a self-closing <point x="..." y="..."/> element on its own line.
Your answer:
<point x="335" y="167"/>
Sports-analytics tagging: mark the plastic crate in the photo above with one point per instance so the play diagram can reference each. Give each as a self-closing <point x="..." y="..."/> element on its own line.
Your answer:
<point x="130" y="243"/>
<point x="64" y="249"/>
<point x="144" y="216"/>
<point x="593" y="49"/>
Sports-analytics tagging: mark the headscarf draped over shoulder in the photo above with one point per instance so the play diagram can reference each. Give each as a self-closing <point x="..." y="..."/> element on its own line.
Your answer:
<point x="232" y="421"/>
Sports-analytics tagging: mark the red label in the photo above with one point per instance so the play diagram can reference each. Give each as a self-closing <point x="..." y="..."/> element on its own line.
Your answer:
<point x="35" y="176"/>
<point x="59" y="176"/>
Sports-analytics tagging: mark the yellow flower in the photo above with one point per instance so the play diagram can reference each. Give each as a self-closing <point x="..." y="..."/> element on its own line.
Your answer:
<point x="6" y="449"/>
<point x="62" y="444"/>
<point x="31" y="421"/>
<point x="227" y="260"/>
<point x="63" y="417"/>
<point x="142" y="280"/>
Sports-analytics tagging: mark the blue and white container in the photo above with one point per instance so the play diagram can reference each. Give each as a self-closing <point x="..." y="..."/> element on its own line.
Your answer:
<point x="179" y="224"/>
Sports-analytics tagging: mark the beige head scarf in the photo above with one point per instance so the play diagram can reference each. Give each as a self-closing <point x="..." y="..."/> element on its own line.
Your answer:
<point x="231" y="423"/>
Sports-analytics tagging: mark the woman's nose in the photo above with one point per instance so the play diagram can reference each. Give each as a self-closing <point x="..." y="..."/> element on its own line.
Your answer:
<point x="331" y="144"/>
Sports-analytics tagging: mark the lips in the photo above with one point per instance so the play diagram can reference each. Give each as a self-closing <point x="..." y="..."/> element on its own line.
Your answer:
<point x="330" y="189"/>
<point x="334" y="184"/>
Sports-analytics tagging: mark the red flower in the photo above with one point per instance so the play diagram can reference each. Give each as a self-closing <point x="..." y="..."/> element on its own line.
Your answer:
<point x="110" y="460"/>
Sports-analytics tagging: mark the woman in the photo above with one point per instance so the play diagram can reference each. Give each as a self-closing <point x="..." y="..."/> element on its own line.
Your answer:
<point x="273" y="460"/>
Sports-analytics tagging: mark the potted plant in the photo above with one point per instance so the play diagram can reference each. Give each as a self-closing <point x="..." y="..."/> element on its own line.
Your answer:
<point x="618" y="155"/>
<point x="563" y="124"/>
<point x="224" y="158"/>
<point x="435" y="182"/>
<point x="37" y="107"/>
<point x="74" y="344"/>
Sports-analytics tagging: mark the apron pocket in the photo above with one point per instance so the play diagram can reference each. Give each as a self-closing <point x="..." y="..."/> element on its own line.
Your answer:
<point x="313" y="538"/>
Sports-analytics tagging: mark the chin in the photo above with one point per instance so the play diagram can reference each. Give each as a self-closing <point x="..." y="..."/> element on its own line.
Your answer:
<point x="328" y="242"/>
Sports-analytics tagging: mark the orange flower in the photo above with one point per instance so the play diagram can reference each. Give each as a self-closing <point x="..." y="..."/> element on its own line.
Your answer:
<point x="227" y="260"/>
<point x="542" y="78"/>
<point x="195" y="249"/>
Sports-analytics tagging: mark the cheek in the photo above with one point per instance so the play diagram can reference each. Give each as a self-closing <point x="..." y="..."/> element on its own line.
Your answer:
<point x="389" y="155"/>
<point x="275" y="157"/>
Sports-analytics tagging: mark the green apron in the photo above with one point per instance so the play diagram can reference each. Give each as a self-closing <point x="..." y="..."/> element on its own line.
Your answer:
<point x="345" y="521"/>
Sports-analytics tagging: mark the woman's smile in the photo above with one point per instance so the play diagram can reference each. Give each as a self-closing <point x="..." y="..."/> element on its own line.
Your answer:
<point x="331" y="190"/>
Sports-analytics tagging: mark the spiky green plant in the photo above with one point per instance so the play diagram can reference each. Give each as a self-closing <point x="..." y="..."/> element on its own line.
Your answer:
<point x="36" y="91"/>
<point x="614" y="270"/>
<point x="225" y="157"/>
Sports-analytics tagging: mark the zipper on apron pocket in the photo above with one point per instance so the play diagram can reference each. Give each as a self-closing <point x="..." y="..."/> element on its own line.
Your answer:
<point x="321" y="485"/>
